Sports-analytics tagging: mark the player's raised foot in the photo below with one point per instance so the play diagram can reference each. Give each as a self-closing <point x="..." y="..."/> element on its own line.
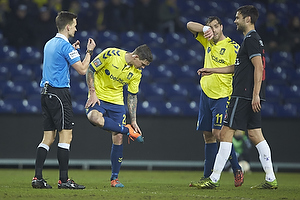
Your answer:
<point x="266" y="185"/>
<point x="40" y="183"/>
<point x="70" y="184"/>
<point x="196" y="183"/>
<point x="208" y="184"/>
<point x="238" y="178"/>
<point x="116" y="183"/>
<point x="134" y="135"/>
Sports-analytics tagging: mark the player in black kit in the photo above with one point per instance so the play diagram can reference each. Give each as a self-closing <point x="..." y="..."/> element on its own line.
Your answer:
<point x="244" y="111"/>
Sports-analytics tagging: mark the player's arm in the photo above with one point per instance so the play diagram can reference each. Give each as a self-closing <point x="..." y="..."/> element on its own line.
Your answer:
<point x="258" y="74"/>
<point x="132" y="106"/>
<point x="93" y="99"/>
<point x="220" y="70"/>
<point x="82" y="66"/>
<point x="195" y="27"/>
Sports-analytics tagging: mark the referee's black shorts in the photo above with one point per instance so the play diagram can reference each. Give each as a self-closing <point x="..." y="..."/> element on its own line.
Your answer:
<point x="57" y="109"/>
<point x="240" y="115"/>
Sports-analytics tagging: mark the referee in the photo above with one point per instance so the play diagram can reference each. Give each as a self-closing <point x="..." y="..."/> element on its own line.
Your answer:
<point x="57" y="112"/>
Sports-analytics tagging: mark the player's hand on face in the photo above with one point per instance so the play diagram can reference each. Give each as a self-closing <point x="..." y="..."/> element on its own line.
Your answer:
<point x="76" y="44"/>
<point x="256" y="106"/>
<point x="92" y="100"/>
<point x="209" y="34"/>
<point x="91" y="44"/>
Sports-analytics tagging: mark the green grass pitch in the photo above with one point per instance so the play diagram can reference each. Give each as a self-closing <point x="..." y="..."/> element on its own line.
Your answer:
<point x="142" y="184"/>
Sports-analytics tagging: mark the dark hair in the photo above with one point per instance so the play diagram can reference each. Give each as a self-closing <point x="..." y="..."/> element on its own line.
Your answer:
<point x="63" y="18"/>
<point x="212" y="18"/>
<point x="249" y="10"/>
<point x="144" y="53"/>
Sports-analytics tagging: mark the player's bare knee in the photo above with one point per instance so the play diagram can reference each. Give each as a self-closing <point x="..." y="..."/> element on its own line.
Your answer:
<point x="96" y="118"/>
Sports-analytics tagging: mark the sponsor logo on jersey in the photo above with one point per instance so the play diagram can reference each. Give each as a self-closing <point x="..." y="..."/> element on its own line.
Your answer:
<point x="112" y="77"/>
<point x="216" y="59"/>
<point x="74" y="54"/>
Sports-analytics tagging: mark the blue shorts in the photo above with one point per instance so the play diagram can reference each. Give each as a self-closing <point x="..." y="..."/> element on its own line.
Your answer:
<point x="113" y="111"/>
<point x="211" y="112"/>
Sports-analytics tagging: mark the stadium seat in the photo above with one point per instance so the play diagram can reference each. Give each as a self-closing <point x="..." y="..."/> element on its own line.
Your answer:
<point x="277" y="74"/>
<point x="153" y="107"/>
<point x="274" y="91"/>
<point x="130" y="40"/>
<point x="78" y="104"/>
<point x="287" y="110"/>
<point x="268" y="110"/>
<point x="283" y="59"/>
<point x="152" y="39"/>
<point x="108" y="39"/>
<point x="8" y="54"/>
<point x="78" y="88"/>
<point x="176" y="92"/>
<point x="297" y="59"/>
<point x="175" y="40"/>
<point x="21" y="72"/>
<point x="33" y="103"/>
<point x="292" y="92"/>
<point x="32" y="88"/>
<point x="15" y="89"/>
<point x="4" y="72"/>
<point x="30" y="55"/>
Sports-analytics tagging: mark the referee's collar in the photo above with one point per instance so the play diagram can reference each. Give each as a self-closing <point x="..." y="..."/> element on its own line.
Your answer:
<point x="62" y="36"/>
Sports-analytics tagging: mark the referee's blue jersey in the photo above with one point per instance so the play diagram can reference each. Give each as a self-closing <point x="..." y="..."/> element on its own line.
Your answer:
<point x="59" y="54"/>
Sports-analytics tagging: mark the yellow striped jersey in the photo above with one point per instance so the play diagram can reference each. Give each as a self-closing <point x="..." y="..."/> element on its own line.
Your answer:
<point x="112" y="73"/>
<point x="222" y="54"/>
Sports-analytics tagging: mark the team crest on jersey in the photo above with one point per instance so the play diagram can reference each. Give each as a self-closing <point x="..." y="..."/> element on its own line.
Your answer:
<point x="97" y="62"/>
<point x="129" y="76"/>
<point x="222" y="51"/>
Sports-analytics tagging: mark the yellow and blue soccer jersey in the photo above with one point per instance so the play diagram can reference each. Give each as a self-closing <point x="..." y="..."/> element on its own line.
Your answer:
<point x="222" y="54"/>
<point x="112" y="73"/>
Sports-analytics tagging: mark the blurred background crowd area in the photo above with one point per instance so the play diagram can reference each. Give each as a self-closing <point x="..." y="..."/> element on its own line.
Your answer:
<point x="170" y="85"/>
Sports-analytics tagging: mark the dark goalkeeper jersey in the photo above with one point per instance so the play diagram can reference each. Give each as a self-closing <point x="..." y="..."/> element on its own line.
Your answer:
<point x="243" y="79"/>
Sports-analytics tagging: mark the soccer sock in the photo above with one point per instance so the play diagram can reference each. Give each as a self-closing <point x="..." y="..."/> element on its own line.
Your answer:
<point x="211" y="150"/>
<point x="63" y="160"/>
<point x="265" y="160"/>
<point x="116" y="158"/>
<point x="41" y="154"/>
<point x="234" y="160"/>
<point x="111" y="125"/>
<point x="221" y="159"/>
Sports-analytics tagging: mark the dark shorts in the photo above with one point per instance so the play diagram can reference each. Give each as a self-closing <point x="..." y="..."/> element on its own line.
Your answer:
<point x="240" y="115"/>
<point x="211" y="112"/>
<point x="113" y="111"/>
<point x="57" y="109"/>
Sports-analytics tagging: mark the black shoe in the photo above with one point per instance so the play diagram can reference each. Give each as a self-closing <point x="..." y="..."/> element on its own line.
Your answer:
<point x="40" y="183"/>
<point x="70" y="184"/>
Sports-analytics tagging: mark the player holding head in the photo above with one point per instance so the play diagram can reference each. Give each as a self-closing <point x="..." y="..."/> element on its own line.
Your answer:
<point x="220" y="51"/>
<point x="106" y="77"/>
<point x="57" y="112"/>
<point x="244" y="111"/>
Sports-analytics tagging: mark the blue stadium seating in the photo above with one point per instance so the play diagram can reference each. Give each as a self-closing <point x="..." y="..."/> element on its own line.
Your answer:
<point x="282" y="59"/>
<point x="108" y="39"/>
<point x="152" y="39"/>
<point x="170" y="85"/>
<point x="130" y="40"/>
<point x="30" y="55"/>
<point x="8" y="54"/>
